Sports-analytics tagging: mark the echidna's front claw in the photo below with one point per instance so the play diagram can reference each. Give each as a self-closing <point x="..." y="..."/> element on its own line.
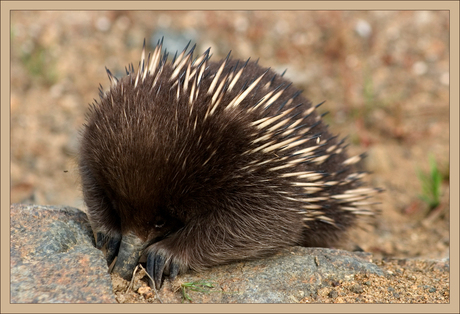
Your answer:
<point x="154" y="263"/>
<point x="160" y="263"/>
<point x="173" y="270"/>
<point x="155" y="268"/>
<point x="112" y="245"/>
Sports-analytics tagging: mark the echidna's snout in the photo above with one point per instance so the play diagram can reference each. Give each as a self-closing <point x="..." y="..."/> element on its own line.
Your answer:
<point x="127" y="251"/>
<point x="131" y="248"/>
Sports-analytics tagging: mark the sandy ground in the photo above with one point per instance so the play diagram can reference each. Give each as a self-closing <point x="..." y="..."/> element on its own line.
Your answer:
<point x="384" y="76"/>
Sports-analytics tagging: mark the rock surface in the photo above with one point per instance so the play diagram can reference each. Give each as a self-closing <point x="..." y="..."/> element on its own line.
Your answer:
<point x="286" y="277"/>
<point x="53" y="260"/>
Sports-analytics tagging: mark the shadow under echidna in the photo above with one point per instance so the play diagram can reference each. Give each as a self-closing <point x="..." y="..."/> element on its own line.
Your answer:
<point x="191" y="163"/>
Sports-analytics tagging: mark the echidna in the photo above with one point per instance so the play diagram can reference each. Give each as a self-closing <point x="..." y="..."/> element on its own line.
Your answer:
<point x="193" y="163"/>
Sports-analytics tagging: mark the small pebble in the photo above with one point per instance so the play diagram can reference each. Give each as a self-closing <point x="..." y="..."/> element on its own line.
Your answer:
<point x="144" y="290"/>
<point x="333" y="294"/>
<point x="357" y="289"/>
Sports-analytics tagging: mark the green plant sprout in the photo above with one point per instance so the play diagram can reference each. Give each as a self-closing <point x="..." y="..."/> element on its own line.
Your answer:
<point x="199" y="286"/>
<point x="431" y="184"/>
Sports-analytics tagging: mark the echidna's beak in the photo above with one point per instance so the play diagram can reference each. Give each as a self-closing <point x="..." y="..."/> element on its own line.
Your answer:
<point x="130" y="251"/>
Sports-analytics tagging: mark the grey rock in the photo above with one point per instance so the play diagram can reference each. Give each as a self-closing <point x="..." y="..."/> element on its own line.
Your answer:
<point x="286" y="277"/>
<point x="53" y="258"/>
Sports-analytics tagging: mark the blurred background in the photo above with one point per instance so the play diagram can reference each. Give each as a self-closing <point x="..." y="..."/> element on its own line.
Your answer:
<point x="384" y="76"/>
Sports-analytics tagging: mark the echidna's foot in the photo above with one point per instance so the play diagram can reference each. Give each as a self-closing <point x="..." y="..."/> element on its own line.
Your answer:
<point x="127" y="249"/>
<point x="112" y="245"/>
<point x="159" y="263"/>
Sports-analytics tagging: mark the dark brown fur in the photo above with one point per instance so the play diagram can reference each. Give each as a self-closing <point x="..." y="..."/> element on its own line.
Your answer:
<point x="186" y="193"/>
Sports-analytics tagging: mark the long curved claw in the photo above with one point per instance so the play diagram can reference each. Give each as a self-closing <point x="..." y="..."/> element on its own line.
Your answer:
<point x="100" y="240"/>
<point x="155" y="268"/>
<point x="112" y="245"/>
<point x="159" y="265"/>
<point x="150" y="267"/>
<point x="158" y="270"/>
<point x="173" y="270"/>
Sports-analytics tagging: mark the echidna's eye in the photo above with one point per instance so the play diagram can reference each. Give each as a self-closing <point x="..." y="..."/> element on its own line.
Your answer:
<point x="160" y="223"/>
